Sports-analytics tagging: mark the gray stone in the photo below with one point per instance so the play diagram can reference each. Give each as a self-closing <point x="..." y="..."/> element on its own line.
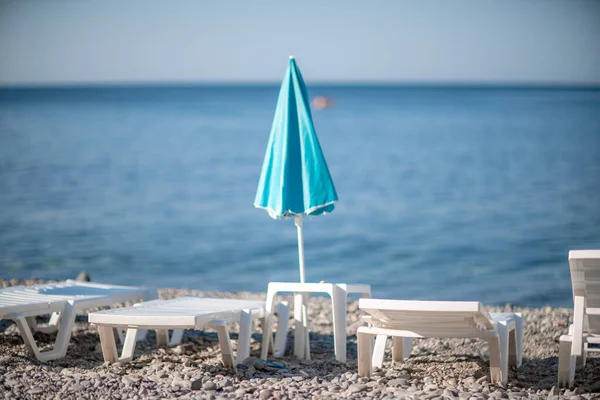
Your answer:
<point x="499" y="394"/>
<point x="479" y="374"/>
<point x="475" y="387"/>
<point x="182" y="383"/>
<point x="397" y="382"/>
<point x="452" y="382"/>
<point x="357" y="387"/>
<point x="430" y="388"/>
<point x="249" y="361"/>
<point x="226" y="383"/>
<point x="128" y="380"/>
<point x="265" y="394"/>
<point x="209" y="385"/>
<point x="76" y="387"/>
<point x="260" y="365"/>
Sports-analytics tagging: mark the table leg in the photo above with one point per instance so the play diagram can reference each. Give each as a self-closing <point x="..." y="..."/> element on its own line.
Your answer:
<point x="301" y="327"/>
<point x="243" y="348"/>
<point x="338" y="305"/>
<point x="268" y="322"/>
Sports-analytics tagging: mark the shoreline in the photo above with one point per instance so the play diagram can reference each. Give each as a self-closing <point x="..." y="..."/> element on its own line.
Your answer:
<point x="452" y="368"/>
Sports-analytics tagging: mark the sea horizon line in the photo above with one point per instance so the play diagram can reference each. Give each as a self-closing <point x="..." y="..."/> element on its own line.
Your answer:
<point x="319" y="84"/>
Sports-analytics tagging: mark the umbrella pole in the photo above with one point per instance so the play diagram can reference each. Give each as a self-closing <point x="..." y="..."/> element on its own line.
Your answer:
<point x="298" y="222"/>
<point x="304" y="307"/>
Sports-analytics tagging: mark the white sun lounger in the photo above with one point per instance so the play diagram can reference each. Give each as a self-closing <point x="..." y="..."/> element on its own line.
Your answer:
<point x="63" y="300"/>
<point x="585" y="278"/>
<point x="404" y="320"/>
<point x="186" y="313"/>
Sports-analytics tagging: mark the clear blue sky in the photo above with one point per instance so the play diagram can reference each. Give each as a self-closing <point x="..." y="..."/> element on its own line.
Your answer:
<point x="491" y="41"/>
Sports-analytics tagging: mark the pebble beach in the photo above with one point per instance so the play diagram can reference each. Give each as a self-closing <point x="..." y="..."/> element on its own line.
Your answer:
<point x="437" y="368"/>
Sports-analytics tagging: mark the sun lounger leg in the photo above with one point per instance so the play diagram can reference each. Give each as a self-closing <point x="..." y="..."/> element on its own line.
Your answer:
<point x="379" y="351"/>
<point x="566" y="363"/>
<point x="224" y="342"/>
<point x="503" y="335"/>
<point x="63" y="337"/>
<point x="49" y="328"/>
<point x="107" y="342"/>
<point x="283" y="315"/>
<point x="580" y="361"/>
<point x="162" y="338"/>
<point x="32" y="322"/>
<point x="515" y="344"/>
<point x="129" y="345"/>
<point x="27" y="336"/>
<point x="495" y="359"/>
<point x="243" y="348"/>
<point x="54" y="320"/>
<point x="401" y="348"/>
<point x="176" y="337"/>
<point x="365" y="353"/>
<point x="578" y="315"/>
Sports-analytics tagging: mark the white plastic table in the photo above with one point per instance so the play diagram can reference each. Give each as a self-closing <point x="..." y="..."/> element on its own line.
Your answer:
<point x="338" y="292"/>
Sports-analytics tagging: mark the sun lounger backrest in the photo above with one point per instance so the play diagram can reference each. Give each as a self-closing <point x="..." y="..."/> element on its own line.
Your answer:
<point x="585" y="277"/>
<point x="461" y="316"/>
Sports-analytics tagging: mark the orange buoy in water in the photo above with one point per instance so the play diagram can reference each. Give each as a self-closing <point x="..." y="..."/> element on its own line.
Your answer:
<point x="321" y="102"/>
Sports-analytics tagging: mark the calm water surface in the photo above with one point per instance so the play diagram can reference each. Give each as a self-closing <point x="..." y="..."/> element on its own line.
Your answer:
<point x="445" y="193"/>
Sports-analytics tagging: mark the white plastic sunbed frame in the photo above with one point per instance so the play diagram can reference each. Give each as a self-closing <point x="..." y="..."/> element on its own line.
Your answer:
<point x="187" y="313"/>
<point x="585" y="278"/>
<point x="63" y="300"/>
<point x="404" y="320"/>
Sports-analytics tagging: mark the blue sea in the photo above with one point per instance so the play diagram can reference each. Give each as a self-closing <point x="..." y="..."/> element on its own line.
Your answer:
<point x="448" y="193"/>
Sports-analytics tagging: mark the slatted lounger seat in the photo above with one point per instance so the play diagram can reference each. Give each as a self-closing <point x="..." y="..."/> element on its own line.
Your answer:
<point x="63" y="300"/>
<point x="404" y="320"/>
<point x="585" y="278"/>
<point x="186" y="313"/>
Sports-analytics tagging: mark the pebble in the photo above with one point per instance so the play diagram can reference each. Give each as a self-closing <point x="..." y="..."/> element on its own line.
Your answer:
<point x="77" y="387"/>
<point x="397" y="382"/>
<point x="128" y="380"/>
<point x="357" y="387"/>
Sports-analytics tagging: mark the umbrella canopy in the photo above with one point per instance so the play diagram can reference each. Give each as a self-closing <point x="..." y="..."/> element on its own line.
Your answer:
<point x="295" y="180"/>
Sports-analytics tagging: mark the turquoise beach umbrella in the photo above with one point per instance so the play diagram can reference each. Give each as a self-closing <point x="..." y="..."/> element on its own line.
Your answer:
<point x="295" y="180"/>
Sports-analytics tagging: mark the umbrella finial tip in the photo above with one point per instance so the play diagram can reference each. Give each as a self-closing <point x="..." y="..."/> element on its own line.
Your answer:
<point x="291" y="57"/>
